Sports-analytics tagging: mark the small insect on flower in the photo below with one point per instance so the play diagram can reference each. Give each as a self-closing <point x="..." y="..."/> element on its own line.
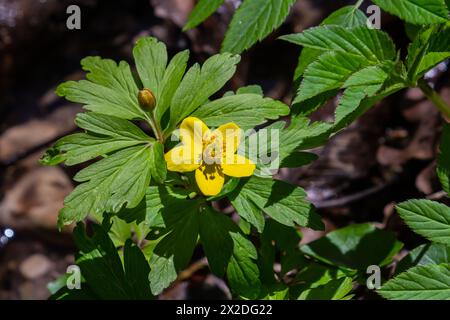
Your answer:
<point x="146" y="99"/>
<point x="211" y="153"/>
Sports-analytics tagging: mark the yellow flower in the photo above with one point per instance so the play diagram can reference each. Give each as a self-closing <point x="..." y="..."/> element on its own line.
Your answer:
<point x="211" y="153"/>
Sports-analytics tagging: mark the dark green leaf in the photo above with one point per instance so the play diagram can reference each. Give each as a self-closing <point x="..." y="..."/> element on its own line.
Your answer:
<point x="428" y="218"/>
<point x="253" y="21"/>
<point x="202" y="10"/>
<point x="416" y="11"/>
<point x="354" y="247"/>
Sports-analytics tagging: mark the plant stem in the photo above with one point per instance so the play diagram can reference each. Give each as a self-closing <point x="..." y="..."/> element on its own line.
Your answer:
<point x="358" y="4"/>
<point x="155" y="127"/>
<point x="434" y="97"/>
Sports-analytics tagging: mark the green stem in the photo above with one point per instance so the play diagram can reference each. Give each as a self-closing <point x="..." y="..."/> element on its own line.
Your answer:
<point x="434" y="97"/>
<point x="358" y="4"/>
<point x="155" y="127"/>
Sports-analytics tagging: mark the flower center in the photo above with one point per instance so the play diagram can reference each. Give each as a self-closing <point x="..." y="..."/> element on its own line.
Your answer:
<point x="212" y="150"/>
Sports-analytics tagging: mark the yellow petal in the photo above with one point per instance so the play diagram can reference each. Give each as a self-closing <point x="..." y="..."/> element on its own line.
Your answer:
<point x="193" y="129"/>
<point x="179" y="159"/>
<point x="238" y="166"/>
<point x="209" y="179"/>
<point x="230" y="134"/>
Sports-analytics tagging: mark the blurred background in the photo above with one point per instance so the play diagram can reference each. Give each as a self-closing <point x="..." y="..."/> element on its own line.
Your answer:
<point x="385" y="157"/>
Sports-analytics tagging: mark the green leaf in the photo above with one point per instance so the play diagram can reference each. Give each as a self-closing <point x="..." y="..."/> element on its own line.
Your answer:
<point x="175" y="250"/>
<point x="150" y="56"/>
<point x="428" y="218"/>
<point x="443" y="168"/>
<point x="201" y="12"/>
<point x="100" y="264"/>
<point x="215" y="236"/>
<point x="416" y="11"/>
<point x="283" y="202"/>
<point x="348" y="16"/>
<point x="429" y="282"/>
<point x="334" y="290"/>
<point x="242" y="271"/>
<point x="246" y="110"/>
<point x="136" y="271"/>
<point x="429" y="48"/>
<point x="199" y="84"/>
<point x="109" y="89"/>
<point x="170" y="82"/>
<point x="374" y="45"/>
<point x="105" y="134"/>
<point x="430" y="253"/>
<point x="253" y="21"/>
<point x="363" y="84"/>
<point x="158" y="169"/>
<point x="354" y="247"/>
<point x="329" y="72"/>
<point x="108" y="184"/>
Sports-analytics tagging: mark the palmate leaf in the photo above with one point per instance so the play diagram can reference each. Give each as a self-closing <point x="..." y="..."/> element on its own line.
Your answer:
<point x="283" y="202"/>
<point x="253" y="21"/>
<point x="201" y="12"/>
<point x="242" y="271"/>
<point x="428" y="218"/>
<point x="107" y="185"/>
<point x="198" y="84"/>
<point x="227" y="250"/>
<point x="109" y="89"/>
<point x="102" y="268"/>
<point x="104" y="135"/>
<point x="416" y="11"/>
<point x="354" y="247"/>
<point x="429" y="282"/>
<point x="443" y="169"/>
<point x="247" y="110"/>
<point x="174" y="251"/>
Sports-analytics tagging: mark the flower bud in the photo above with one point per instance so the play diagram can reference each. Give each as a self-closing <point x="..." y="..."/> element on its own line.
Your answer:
<point x="146" y="99"/>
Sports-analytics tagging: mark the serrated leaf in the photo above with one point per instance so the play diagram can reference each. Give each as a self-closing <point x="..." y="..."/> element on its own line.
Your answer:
<point x="199" y="84"/>
<point x="429" y="48"/>
<point x="100" y="264"/>
<point x="105" y="134"/>
<point x="245" y="109"/>
<point x="136" y="271"/>
<point x="174" y="251"/>
<point x="253" y="21"/>
<point x="416" y="11"/>
<point x="372" y="44"/>
<point x="108" y="184"/>
<point x="215" y="236"/>
<point x="283" y="202"/>
<point x="242" y="271"/>
<point x="328" y="72"/>
<point x="354" y="247"/>
<point x="429" y="282"/>
<point x="428" y="218"/>
<point x="170" y="82"/>
<point x="443" y="169"/>
<point x="348" y="16"/>
<point x="335" y="289"/>
<point x="150" y="56"/>
<point x="109" y="89"/>
<point x="201" y="12"/>
<point x="429" y="253"/>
